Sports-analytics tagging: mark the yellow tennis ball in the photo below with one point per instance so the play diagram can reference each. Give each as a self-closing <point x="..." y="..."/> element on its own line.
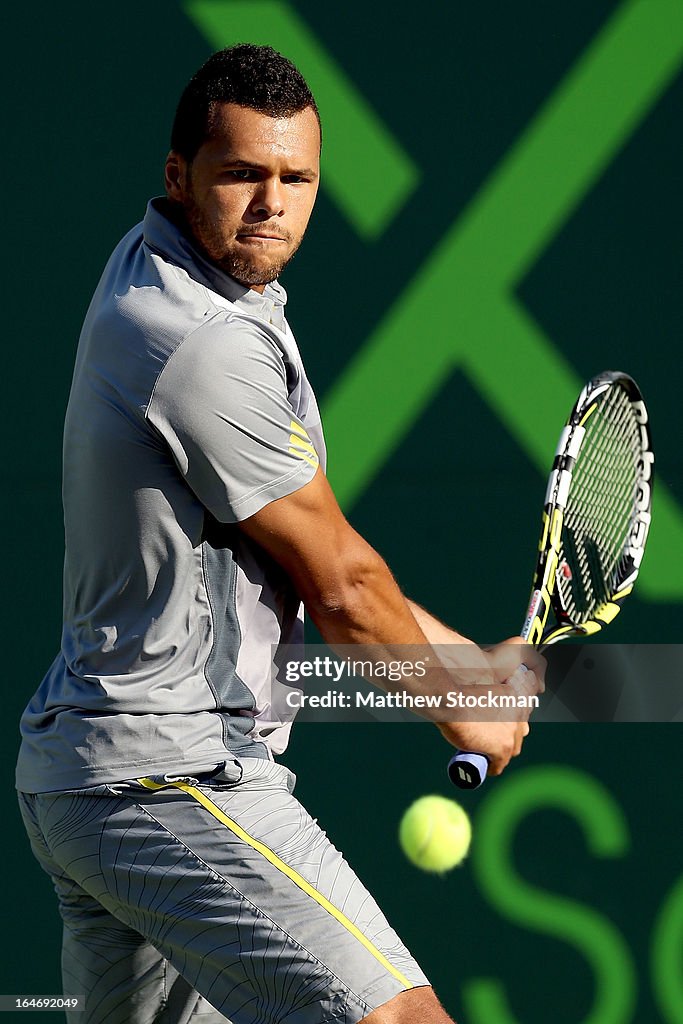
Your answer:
<point x="435" y="833"/>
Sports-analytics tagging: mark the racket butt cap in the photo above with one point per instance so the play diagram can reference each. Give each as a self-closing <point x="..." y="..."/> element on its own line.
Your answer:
<point x="467" y="770"/>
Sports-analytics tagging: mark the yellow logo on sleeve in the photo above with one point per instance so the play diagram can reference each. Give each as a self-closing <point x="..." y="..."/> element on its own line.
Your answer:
<point x="300" y="444"/>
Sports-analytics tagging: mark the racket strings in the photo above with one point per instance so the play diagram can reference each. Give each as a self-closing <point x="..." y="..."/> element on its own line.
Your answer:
<point x="600" y="508"/>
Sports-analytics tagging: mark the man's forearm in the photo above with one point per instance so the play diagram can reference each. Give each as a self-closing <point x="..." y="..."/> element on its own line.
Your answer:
<point x="348" y="589"/>
<point x="353" y="599"/>
<point x="374" y="615"/>
<point x="436" y="632"/>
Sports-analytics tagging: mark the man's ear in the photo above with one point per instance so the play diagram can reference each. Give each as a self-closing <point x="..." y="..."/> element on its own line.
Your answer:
<point x="175" y="175"/>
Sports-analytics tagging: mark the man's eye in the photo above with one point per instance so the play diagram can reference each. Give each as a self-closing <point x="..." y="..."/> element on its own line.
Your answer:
<point x="242" y="174"/>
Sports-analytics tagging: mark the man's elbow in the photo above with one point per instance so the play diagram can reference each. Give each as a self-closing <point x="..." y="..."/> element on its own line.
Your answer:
<point x="353" y="580"/>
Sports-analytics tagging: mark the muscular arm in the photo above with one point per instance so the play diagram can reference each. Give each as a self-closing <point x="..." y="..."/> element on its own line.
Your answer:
<point x="353" y="598"/>
<point x="345" y="585"/>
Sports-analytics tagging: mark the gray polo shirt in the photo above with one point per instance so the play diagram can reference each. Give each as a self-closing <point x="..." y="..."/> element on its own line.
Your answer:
<point x="189" y="412"/>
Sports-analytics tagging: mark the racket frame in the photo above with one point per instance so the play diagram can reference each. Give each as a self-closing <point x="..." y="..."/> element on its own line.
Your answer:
<point x="545" y="594"/>
<point x="467" y="769"/>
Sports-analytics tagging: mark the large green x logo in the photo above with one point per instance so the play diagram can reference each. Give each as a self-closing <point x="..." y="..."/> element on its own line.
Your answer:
<point x="485" y="331"/>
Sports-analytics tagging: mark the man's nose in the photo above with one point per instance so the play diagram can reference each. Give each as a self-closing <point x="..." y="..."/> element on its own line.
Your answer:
<point x="269" y="199"/>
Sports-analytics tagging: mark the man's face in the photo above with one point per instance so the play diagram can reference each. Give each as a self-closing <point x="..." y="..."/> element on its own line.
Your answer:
<point x="250" y="189"/>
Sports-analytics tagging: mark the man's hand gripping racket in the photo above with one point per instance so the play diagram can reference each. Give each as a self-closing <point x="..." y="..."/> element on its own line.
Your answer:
<point x="596" y="519"/>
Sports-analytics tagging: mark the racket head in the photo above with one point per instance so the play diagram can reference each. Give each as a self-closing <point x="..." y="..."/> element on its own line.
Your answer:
<point x="596" y="515"/>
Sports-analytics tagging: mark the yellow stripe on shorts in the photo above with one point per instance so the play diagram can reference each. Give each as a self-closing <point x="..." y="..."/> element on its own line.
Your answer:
<point x="277" y="862"/>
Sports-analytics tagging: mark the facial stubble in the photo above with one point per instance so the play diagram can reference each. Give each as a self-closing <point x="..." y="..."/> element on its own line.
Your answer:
<point x="212" y="243"/>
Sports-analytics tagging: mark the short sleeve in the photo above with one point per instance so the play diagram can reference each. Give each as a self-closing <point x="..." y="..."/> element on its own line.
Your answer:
<point x="222" y="405"/>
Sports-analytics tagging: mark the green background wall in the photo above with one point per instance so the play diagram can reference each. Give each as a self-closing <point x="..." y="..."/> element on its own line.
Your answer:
<point x="501" y="220"/>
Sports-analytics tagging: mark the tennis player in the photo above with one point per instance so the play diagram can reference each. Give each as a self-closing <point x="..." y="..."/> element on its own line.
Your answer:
<point x="192" y="884"/>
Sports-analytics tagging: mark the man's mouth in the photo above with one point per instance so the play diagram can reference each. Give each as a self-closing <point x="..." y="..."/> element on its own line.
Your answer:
<point x="260" y="237"/>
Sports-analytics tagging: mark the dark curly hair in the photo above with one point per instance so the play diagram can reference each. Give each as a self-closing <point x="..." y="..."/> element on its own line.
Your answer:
<point x="252" y="76"/>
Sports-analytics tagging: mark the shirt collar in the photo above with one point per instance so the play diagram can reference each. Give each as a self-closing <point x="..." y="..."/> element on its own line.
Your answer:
<point x="164" y="236"/>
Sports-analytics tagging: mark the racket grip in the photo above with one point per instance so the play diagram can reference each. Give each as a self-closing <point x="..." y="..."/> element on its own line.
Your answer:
<point x="467" y="770"/>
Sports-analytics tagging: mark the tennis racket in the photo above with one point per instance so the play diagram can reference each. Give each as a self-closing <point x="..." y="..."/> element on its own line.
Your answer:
<point x="596" y="519"/>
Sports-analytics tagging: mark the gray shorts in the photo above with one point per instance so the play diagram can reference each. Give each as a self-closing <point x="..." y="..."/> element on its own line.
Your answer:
<point x="211" y="900"/>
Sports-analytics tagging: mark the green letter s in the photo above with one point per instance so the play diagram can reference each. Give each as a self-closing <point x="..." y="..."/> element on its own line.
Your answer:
<point x="602" y="945"/>
<point x="667" y="962"/>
